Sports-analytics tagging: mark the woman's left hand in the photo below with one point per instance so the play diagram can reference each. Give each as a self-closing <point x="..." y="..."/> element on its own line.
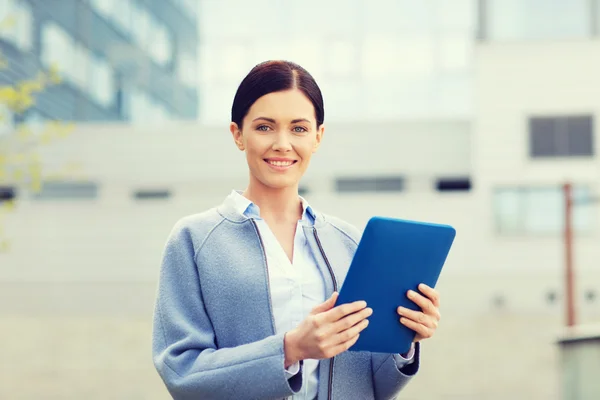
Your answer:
<point x="426" y="321"/>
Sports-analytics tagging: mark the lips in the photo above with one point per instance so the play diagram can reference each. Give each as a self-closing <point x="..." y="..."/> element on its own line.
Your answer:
<point x="280" y="163"/>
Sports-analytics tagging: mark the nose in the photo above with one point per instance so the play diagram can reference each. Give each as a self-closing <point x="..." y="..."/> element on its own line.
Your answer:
<point x="282" y="142"/>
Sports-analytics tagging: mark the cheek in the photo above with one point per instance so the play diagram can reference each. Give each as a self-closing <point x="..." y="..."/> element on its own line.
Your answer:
<point x="255" y="147"/>
<point x="305" y="149"/>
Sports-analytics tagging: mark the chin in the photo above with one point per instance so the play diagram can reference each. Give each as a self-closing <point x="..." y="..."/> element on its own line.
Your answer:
<point x="280" y="183"/>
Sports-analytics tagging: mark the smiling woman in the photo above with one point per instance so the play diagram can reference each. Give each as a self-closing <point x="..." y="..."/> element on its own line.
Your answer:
<point x="246" y="300"/>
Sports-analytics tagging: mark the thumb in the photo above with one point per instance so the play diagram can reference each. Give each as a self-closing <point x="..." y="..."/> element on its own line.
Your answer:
<point x="326" y="305"/>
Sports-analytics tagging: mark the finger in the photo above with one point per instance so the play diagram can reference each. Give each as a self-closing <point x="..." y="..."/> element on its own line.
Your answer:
<point x="421" y="330"/>
<point x="340" y="348"/>
<point x="326" y="305"/>
<point x="339" y="312"/>
<point x="431" y="293"/>
<point x="351" y="320"/>
<point x="349" y="333"/>
<point x="426" y="305"/>
<point x="418" y="317"/>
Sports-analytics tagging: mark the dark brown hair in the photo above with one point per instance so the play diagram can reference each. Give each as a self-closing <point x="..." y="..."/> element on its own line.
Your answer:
<point x="275" y="76"/>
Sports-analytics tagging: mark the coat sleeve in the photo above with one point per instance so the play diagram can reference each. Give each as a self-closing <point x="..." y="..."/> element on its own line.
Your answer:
<point x="184" y="346"/>
<point x="388" y="378"/>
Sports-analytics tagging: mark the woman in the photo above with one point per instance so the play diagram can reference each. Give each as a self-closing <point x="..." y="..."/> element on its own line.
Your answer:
<point x="245" y="306"/>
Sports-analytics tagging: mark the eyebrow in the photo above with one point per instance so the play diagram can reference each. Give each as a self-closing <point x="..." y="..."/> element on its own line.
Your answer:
<point x="271" y="120"/>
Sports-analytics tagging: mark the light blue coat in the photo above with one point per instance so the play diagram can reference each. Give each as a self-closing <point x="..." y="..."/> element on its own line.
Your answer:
<point x="214" y="335"/>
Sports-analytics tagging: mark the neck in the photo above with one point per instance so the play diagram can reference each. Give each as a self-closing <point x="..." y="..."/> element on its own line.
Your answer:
<point x="279" y="204"/>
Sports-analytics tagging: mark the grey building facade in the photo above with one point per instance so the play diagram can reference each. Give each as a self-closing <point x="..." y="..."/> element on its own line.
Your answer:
<point x="119" y="60"/>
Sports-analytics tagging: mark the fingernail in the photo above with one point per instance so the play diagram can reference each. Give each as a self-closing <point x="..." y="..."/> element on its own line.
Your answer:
<point x="411" y="293"/>
<point x="369" y="311"/>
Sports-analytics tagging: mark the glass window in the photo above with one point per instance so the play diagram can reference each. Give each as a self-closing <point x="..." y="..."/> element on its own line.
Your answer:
<point x="81" y="64"/>
<point x="17" y="23"/>
<point x="561" y="136"/>
<point x="138" y="106"/>
<point x="66" y="190"/>
<point x="146" y="110"/>
<point x="540" y="210"/>
<point x="57" y="49"/>
<point x="24" y="26"/>
<point x="190" y="6"/>
<point x="5" y="7"/>
<point x="141" y="27"/>
<point x="122" y="14"/>
<point x="187" y="70"/>
<point x="370" y="184"/>
<point x="104" y="7"/>
<point x="161" y="47"/>
<point x="537" y="19"/>
<point x="6" y="120"/>
<point x="102" y="82"/>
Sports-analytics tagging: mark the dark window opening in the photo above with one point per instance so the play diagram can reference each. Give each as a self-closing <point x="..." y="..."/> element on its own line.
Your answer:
<point x="453" y="184"/>
<point x="568" y="136"/>
<point x="370" y="184"/>
<point x="66" y="190"/>
<point x="152" y="194"/>
<point x="7" y="193"/>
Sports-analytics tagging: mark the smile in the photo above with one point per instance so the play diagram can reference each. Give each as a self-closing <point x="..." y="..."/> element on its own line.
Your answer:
<point x="280" y="164"/>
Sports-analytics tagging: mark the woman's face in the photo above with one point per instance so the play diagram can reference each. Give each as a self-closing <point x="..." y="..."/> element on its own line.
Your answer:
<point x="279" y="136"/>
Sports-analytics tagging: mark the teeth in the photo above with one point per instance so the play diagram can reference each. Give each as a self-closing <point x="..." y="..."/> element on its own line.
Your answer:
<point x="281" y="163"/>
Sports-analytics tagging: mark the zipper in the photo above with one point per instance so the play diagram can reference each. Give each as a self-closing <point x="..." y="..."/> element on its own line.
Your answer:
<point x="262" y="247"/>
<point x="335" y="289"/>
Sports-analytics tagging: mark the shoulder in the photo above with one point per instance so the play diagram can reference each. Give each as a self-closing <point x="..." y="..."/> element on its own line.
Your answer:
<point x="194" y="229"/>
<point x="344" y="227"/>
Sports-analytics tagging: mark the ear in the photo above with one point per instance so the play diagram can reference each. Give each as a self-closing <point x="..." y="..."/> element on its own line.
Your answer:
<point x="320" y="133"/>
<point x="236" y="132"/>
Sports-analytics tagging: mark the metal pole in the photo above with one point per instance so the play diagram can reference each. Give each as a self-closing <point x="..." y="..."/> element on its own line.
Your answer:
<point x="568" y="239"/>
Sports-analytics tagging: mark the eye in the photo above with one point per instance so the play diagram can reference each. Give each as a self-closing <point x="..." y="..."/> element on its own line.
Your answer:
<point x="262" y="128"/>
<point x="299" y="129"/>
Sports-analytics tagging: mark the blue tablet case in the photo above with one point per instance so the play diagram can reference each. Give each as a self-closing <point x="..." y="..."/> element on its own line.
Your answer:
<point x="392" y="257"/>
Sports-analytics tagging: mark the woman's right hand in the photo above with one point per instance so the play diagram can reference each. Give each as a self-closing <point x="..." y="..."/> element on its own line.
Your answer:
<point x="327" y="331"/>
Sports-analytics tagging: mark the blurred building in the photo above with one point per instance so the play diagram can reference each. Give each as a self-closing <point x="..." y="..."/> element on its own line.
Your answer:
<point x="120" y="60"/>
<point x="374" y="60"/>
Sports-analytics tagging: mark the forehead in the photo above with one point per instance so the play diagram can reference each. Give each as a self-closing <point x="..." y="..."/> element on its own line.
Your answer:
<point x="289" y="104"/>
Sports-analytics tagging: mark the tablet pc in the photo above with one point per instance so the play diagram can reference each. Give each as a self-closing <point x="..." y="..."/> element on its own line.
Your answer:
<point x="393" y="256"/>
